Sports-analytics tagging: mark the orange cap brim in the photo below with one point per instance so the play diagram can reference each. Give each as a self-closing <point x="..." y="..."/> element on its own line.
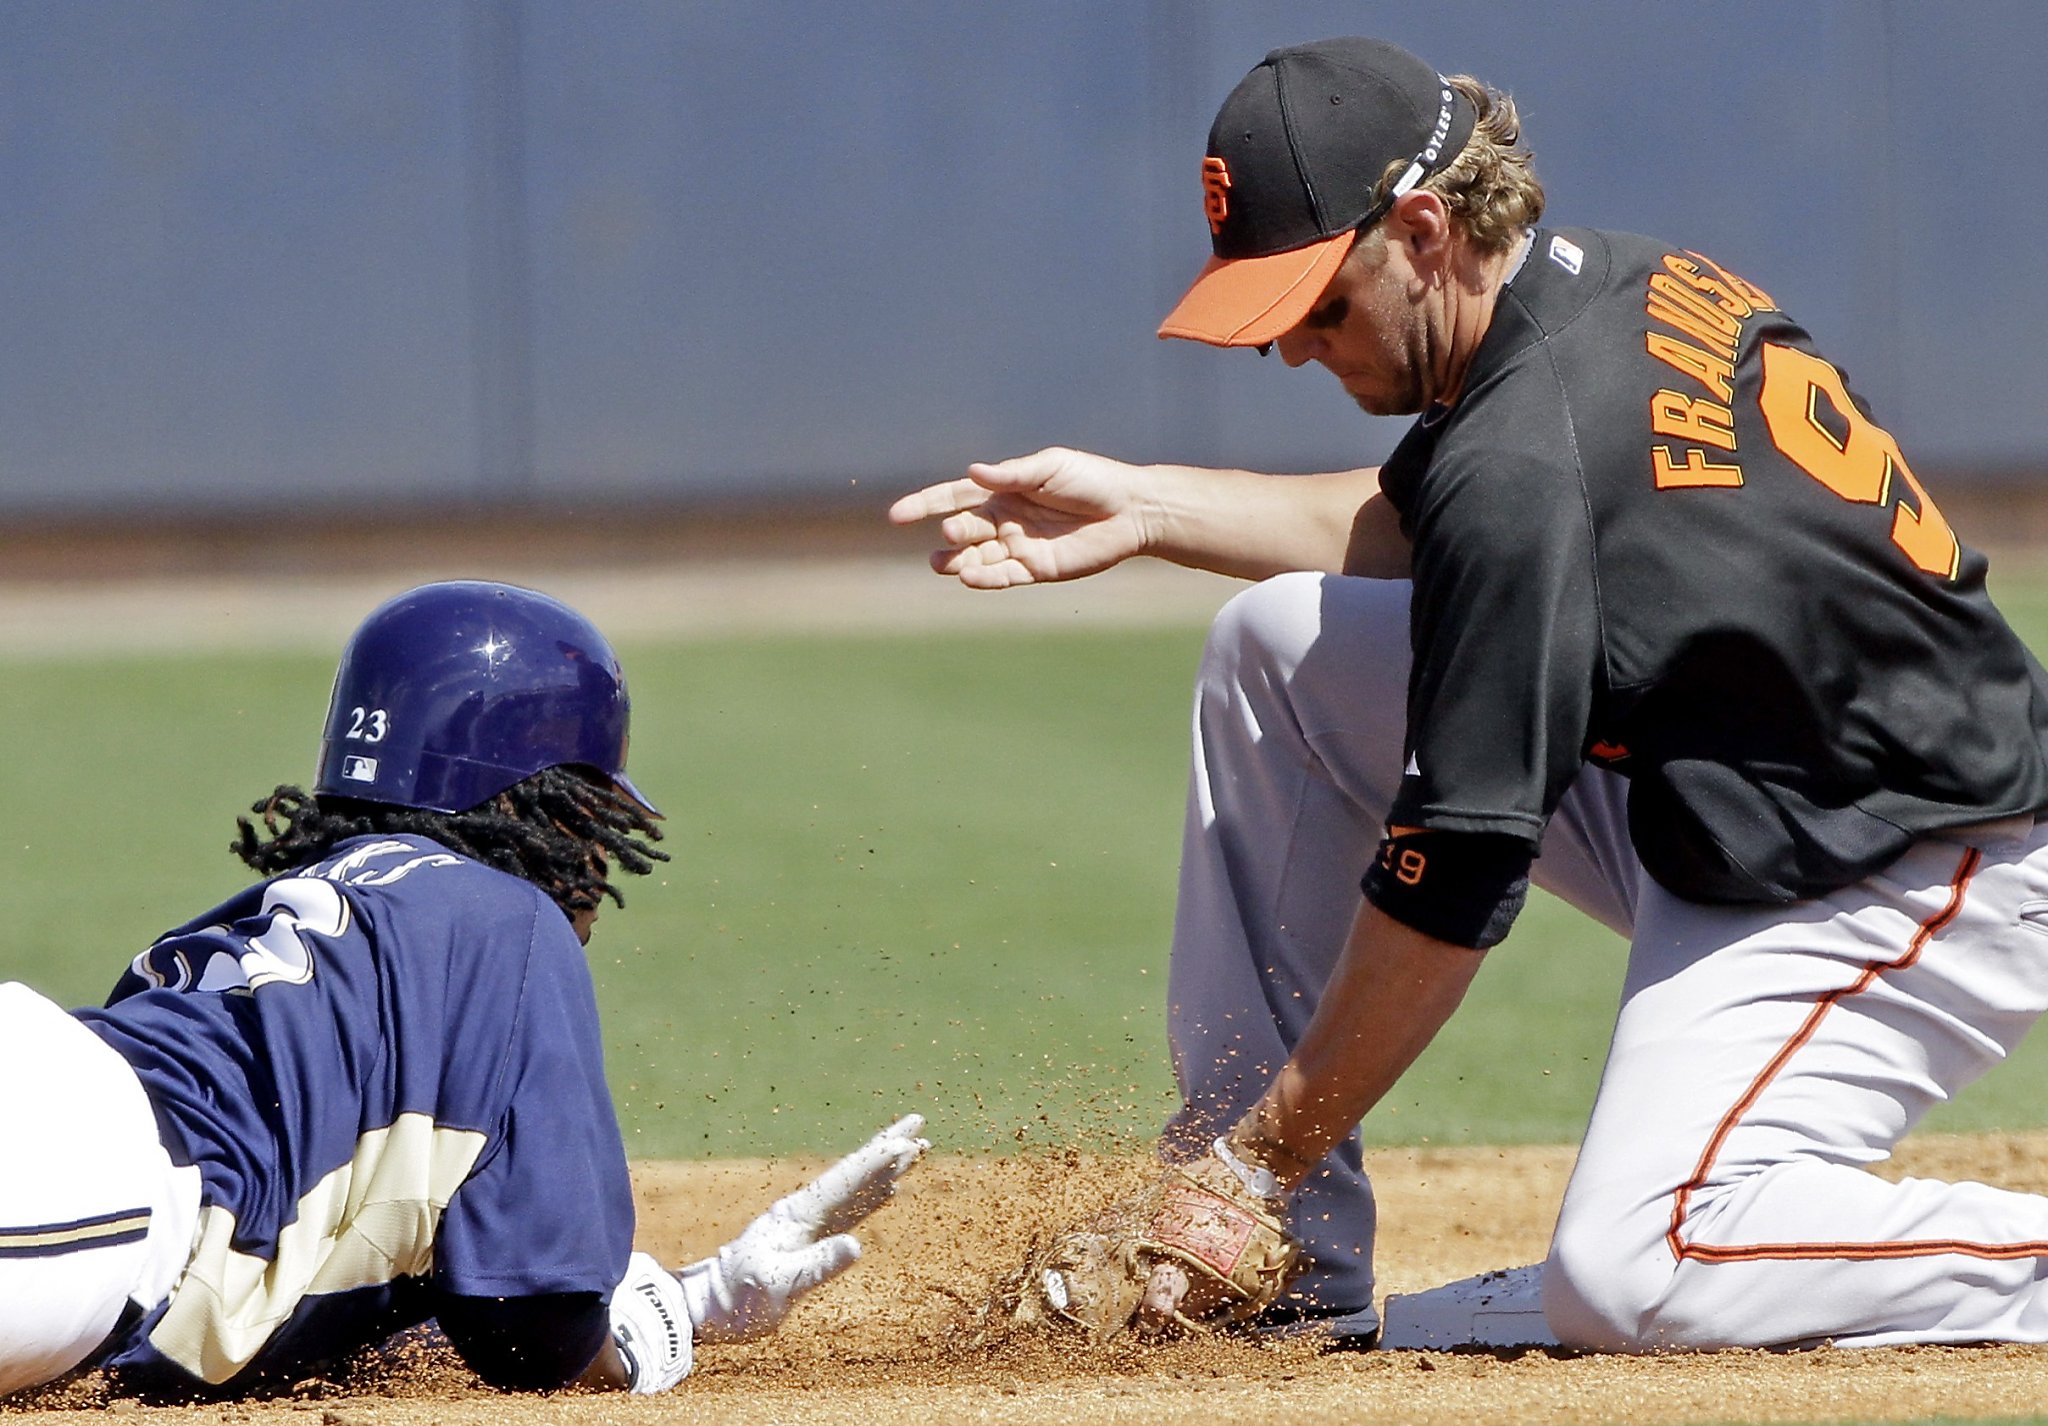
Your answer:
<point x="1249" y="301"/>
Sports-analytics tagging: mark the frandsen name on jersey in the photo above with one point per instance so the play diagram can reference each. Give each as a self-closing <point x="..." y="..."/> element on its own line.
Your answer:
<point x="1705" y="311"/>
<point x="1696" y="309"/>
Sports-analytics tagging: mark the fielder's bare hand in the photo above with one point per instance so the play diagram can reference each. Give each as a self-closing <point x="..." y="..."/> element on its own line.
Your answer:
<point x="1064" y="514"/>
<point x="1052" y="515"/>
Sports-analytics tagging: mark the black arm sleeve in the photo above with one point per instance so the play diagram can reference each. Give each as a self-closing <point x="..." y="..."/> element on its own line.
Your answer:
<point x="527" y="1343"/>
<point x="1462" y="887"/>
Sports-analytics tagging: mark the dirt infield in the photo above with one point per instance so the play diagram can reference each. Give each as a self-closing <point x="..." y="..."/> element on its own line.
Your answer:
<point x="882" y="1344"/>
<point x="93" y="588"/>
<point x="85" y="589"/>
<point x="199" y="613"/>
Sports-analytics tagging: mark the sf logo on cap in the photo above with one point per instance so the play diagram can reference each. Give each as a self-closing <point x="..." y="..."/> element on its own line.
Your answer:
<point x="1215" y="192"/>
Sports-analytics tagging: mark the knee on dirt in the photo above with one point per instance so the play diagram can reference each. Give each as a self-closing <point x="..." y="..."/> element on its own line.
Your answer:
<point x="1611" y="1284"/>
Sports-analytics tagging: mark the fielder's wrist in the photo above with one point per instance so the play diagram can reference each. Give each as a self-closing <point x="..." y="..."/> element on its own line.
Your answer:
<point x="1257" y="1178"/>
<point x="1263" y="1156"/>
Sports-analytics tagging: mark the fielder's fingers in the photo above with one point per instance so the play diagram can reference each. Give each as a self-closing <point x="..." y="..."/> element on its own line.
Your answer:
<point x="942" y="499"/>
<point x="1163" y="1292"/>
<point x="1019" y="472"/>
<point x="968" y="527"/>
<point x="1000" y="573"/>
<point x="984" y="566"/>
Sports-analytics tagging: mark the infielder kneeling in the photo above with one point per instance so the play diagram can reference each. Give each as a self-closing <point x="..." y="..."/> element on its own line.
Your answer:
<point x="1646" y="608"/>
<point x="369" y="1091"/>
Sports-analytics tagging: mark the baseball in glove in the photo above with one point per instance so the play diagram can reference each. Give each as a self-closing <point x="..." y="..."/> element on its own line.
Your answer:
<point x="1202" y="1221"/>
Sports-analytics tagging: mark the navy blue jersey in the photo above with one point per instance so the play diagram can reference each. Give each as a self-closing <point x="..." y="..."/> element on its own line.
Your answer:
<point x="387" y="1069"/>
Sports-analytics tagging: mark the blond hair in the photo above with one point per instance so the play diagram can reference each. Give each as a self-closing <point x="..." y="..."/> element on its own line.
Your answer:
<point x="1490" y="188"/>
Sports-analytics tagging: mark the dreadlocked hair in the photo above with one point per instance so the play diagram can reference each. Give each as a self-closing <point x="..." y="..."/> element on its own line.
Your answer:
<point x="558" y="829"/>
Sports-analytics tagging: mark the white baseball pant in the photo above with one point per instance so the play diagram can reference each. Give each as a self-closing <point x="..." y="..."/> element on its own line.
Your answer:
<point x="93" y="1214"/>
<point x="1762" y="1055"/>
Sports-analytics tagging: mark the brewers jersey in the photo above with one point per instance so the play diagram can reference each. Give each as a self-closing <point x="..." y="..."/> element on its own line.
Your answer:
<point x="387" y="1069"/>
<point x="1658" y="531"/>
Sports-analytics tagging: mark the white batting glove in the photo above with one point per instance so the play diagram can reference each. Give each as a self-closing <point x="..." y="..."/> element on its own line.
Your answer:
<point x="801" y="1241"/>
<point x="651" y="1325"/>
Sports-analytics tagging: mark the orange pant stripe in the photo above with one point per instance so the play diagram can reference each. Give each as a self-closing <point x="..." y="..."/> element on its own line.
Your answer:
<point x="1674" y="1238"/>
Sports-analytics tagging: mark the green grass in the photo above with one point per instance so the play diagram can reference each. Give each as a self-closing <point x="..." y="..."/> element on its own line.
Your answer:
<point x="120" y="788"/>
<point x="909" y="874"/>
<point x="930" y="873"/>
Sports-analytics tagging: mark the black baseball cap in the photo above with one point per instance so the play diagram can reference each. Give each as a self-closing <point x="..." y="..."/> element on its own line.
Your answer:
<point x="1295" y="155"/>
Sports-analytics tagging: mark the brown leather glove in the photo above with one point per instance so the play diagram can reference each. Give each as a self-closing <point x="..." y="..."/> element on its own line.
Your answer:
<point x="1230" y="1242"/>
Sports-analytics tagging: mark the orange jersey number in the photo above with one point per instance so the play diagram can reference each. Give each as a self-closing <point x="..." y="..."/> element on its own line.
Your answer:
<point x="1858" y="463"/>
<point x="1406" y="863"/>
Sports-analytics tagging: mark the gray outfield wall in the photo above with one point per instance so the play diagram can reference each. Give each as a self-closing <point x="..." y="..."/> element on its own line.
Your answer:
<point x="279" y="254"/>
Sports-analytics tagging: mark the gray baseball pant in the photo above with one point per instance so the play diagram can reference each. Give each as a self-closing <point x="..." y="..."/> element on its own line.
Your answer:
<point x="1762" y="1056"/>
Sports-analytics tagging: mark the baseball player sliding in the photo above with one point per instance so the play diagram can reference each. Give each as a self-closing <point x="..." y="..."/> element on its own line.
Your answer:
<point x="369" y="1090"/>
<point x="1646" y="607"/>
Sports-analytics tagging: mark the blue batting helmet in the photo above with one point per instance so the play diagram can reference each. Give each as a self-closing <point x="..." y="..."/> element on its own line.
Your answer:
<point x="451" y="693"/>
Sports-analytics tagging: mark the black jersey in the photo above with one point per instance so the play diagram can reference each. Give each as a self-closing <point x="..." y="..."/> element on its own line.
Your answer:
<point x="1659" y="532"/>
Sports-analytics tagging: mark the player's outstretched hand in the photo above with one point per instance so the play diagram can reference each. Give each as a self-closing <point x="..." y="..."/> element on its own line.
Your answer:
<point x="748" y="1287"/>
<point x="1052" y="515"/>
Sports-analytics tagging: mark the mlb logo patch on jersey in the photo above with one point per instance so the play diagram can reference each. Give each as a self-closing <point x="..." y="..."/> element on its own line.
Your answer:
<point x="356" y="768"/>
<point x="1567" y="254"/>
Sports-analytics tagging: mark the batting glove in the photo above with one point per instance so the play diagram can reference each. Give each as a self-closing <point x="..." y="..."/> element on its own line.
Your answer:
<point x="651" y="1324"/>
<point x="801" y="1241"/>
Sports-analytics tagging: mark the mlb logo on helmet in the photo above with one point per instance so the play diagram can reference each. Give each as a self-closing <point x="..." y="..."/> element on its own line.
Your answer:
<point x="469" y="687"/>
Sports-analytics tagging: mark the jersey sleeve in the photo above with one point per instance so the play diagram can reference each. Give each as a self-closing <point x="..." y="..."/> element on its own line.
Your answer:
<point x="1505" y="624"/>
<point x="549" y="1208"/>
